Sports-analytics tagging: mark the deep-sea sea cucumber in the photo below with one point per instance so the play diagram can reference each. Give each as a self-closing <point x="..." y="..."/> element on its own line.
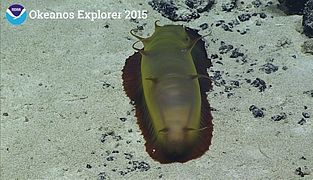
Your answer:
<point x="167" y="81"/>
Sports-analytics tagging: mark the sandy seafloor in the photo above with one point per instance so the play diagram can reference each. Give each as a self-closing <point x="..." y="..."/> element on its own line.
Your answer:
<point x="62" y="98"/>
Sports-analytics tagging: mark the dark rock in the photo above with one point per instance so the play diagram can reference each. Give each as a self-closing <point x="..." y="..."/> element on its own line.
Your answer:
<point x="307" y="21"/>
<point x="204" y="26"/>
<point x="269" y="68"/>
<point x="229" y="6"/>
<point x="302" y="171"/>
<point x="263" y="15"/>
<point x="166" y="8"/>
<point x="219" y="22"/>
<point x="106" y="85"/>
<point x="214" y="56"/>
<point x="310" y="93"/>
<point x="235" y="53"/>
<point x="103" y="176"/>
<point x="226" y="27"/>
<point x="305" y="114"/>
<point x="249" y="71"/>
<point x="219" y="62"/>
<point x="261" y="47"/>
<point x="140" y="28"/>
<point x="200" y="5"/>
<point x="303" y="158"/>
<point x="135" y="165"/>
<point x="256" y="3"/>
<point x="302" y="121"/>
<point x="128" y="156"/>
<point x="142" y="166"/>
<point x="234" y="22"/>
<point x="269" y="3"/>
<point x="217" y="78"/>
<point x="235" y="83"/>
<point x="292" y="7"/>
<point x="224" y="48"/>
<point x="307" y="46"/>
<point x="242" y="32"/>
<point x="244" y="17"/>
<point x="259" y="83"/>
<point x="207" y="7"/>
<point x="169" y="8"/>
<point x="112" y="134"/>
<point x="279" y="117"/>
<point x="110" y="158"/>
<point x="283" y="42"/>
<point x="191" y="3"/>
<point x="299" y="172"/>
<point x="256" y="111"/>
<point x="217" y="75"/>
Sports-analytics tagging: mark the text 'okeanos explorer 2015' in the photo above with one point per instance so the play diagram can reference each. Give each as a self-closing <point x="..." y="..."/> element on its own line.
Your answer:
<point x="87" y="15"/>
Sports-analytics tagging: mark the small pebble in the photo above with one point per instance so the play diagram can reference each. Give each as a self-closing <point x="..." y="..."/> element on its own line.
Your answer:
<point x="256" y="111"/>
<point x="235" y="53"/>
<point x="279" y="117"/>
<point x="269" y="68"/>
<point x="307" y="46"/>
<point x="226" y="27"/>
<point x="204" y="26"/>
<point x="256" y="3"/>
<point x="219" y="22"/>
<point x="302" y="171"/>
<point x="244" y="17"/>
<point x="303" y="158"/>
<point x="224" y="48"/>
<point x="214" y="56"/>
<point x="302" y="121"/>
<point x="229" y="6"/>
<point x="110" y="158"/>
<point x="263" y="15"/>
<point x="310" y="93"/>
<point x="259" y="83"/>
<point x="306" y="115"/>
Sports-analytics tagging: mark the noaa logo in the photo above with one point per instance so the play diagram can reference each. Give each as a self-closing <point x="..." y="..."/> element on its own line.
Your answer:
<point x="16" y="14"/>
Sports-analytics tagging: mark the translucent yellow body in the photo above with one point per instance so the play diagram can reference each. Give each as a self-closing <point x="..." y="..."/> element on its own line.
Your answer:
<point x="171" y="88"/>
